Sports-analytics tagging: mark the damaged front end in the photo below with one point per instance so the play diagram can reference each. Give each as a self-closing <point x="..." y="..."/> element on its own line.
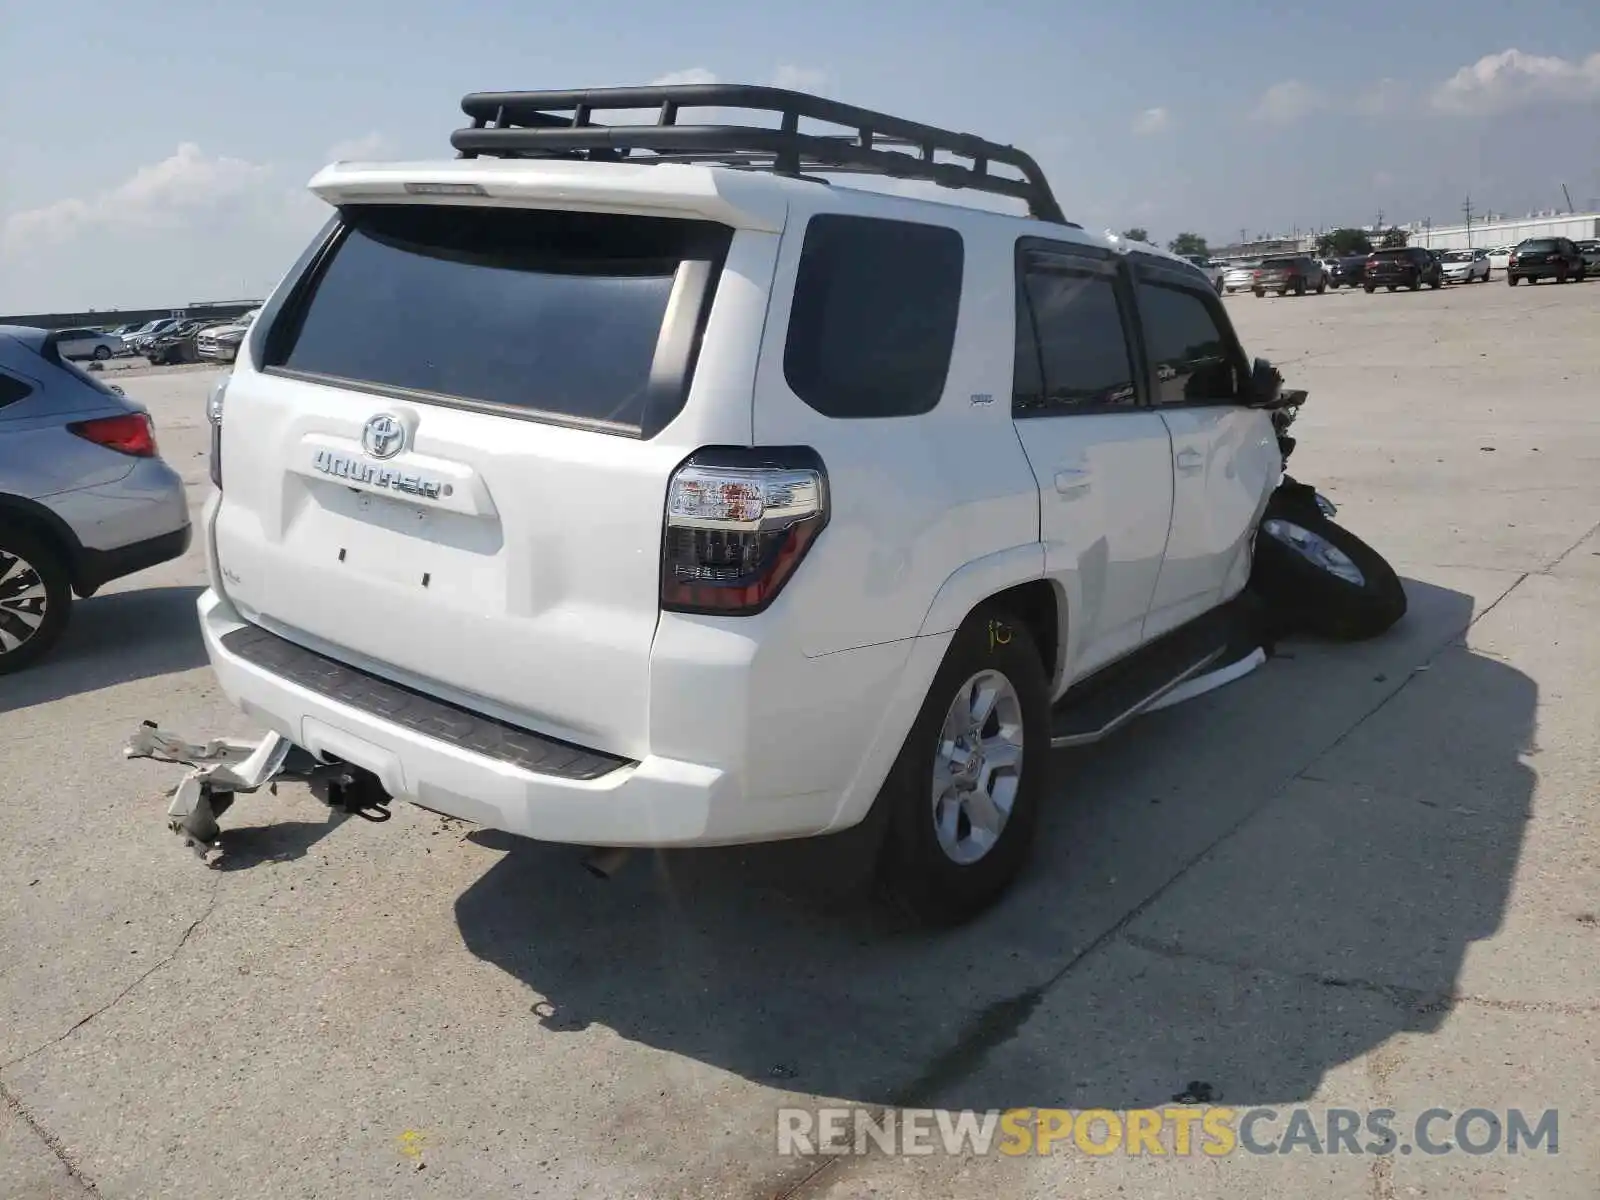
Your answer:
<point x="223" y="768"/>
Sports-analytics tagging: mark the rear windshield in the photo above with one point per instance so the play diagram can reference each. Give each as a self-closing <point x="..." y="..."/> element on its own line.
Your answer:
<point x="1538" y="244"/>
<point x="1279" y="262"/>
<point x="552" y="313"/>
<point x="1457" y="256"/>
<point x="1390" y="255"/>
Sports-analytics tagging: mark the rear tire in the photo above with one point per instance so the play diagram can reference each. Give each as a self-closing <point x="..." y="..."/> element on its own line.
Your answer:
<point x="35" y="599"/>
<point x="1305" y="596"/>
<point x="1369" y="288"/>
<point x="1323" y="286"/>
<point x="1511" y="280"/>
<point x="1392" y="286"/>
<point x="921" y="868"/>
<point x="101" y="353"/>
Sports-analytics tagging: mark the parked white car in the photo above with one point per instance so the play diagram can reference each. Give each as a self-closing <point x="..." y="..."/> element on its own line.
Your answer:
<point x="1239" y="279"/>
<point x="87" y="343"/>
<point x="751" y="518"/>
<point x="1500" y="257"/>
<point x="1465" y="266"/>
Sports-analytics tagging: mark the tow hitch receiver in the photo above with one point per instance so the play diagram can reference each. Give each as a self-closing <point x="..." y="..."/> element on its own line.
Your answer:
<point x="225" y="767"/>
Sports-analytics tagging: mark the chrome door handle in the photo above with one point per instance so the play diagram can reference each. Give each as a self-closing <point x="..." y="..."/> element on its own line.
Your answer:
<point x="1190" y="460"/>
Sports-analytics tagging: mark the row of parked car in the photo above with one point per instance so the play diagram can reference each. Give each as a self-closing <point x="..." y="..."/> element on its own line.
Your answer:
<point x="164" y="341"/>
<point x="1414" y="267"/>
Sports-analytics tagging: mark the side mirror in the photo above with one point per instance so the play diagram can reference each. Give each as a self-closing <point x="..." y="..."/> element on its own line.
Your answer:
<point x="1266" y="381"/>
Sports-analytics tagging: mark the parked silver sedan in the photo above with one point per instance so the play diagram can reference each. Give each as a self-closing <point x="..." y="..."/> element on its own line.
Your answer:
<point x="85" y="497"/>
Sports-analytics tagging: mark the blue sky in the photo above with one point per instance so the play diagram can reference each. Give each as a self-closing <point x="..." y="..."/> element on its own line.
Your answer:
<point x="158" y="154"/>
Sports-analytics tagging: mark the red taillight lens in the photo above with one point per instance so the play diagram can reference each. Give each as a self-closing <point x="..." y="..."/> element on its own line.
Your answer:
<point x="131" y="434"/>
<point x="736" y="528"/>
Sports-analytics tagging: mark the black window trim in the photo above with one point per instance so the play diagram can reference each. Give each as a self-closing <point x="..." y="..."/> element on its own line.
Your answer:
<point x="1160" y="273"/>
<point x="688" y="310"/>
<point x="1077" y="258"/>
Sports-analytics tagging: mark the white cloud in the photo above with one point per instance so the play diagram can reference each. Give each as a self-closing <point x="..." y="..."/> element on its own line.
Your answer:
<point x="1285" y="103"/>
<point x="801" y="79"/>
<point x="367" y="148"/>
<point x="687" y="75"/>
<point x="1152" y="121"/>
<point x="1382" y="98"/>
<point x="162" y="193"/>
<point x="1512" y="79"/>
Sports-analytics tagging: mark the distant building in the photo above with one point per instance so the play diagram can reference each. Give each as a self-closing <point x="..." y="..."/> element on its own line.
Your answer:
<point x="110" y="318"/>
<point x="1261" y="248"/>
<point x="1506" y="231"/>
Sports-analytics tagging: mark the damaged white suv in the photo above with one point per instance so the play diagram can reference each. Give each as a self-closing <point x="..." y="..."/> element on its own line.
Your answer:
<point x="599" y="488"/>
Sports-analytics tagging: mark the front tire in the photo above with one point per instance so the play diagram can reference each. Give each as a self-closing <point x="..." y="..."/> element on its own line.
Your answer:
<point x="964" y="794"/>
<point x="35" y="599"/>
<point x="1306" y="567"/>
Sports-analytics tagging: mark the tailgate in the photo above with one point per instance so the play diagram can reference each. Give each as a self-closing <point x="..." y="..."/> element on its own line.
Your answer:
<point x="448" y="464"/>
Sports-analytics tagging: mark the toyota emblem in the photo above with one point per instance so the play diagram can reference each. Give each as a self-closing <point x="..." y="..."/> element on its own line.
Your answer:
<point x="384" y="436"/>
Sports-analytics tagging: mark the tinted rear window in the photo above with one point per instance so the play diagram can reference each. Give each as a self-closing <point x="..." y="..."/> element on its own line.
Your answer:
<point x="1390" y="255"/>
<point x="1539" y="244"/>
<point x="555" y="313"/>
<point x="874" y="316"/>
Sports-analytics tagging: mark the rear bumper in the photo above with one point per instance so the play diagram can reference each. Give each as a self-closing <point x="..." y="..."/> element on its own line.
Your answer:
<point x="96" y="568"/>
<point x="466" y="765"/>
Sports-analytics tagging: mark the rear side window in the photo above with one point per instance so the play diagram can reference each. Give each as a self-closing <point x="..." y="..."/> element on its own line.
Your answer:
<point x="1072" y="350"/>
<point x="874" y="316"/>
<point x="556" y="314"/>
<point x="1196" y="360"/>
<point x="12" y="389"/>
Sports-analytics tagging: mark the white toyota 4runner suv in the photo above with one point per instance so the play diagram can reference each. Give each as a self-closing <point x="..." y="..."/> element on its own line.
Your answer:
<point x="630" y="486"/>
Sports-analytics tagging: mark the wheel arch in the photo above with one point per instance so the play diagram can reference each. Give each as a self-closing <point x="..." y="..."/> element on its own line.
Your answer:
<point x="17" y="512"/>
<point x="1012" y="579"/>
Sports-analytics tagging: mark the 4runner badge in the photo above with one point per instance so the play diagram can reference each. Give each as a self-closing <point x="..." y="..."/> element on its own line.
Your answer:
<point x="389" y="479"/>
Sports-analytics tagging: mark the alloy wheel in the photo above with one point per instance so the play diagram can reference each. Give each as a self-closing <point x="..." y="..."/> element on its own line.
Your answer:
<point x="23" y="602"/>
<point x="977" y="767"/>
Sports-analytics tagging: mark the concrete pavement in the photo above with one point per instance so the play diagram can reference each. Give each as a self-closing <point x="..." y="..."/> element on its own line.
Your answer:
<point x="1363" y="876"/>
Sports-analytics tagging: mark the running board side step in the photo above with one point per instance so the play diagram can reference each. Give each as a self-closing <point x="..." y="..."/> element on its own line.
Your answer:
<point x="1210" y="651"/>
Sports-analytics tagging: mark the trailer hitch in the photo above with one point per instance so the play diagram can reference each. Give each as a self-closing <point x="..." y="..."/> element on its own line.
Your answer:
<point x="223" y="768"/>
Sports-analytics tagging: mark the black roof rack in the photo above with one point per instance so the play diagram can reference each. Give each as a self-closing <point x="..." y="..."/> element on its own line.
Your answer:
<point x="561" y="125"/>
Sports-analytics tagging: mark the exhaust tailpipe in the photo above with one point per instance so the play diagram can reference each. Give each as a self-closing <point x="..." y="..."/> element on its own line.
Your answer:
<point x="605" y="863"/>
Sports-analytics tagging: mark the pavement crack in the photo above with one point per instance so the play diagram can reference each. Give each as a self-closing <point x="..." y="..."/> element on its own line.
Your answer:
<point x="160" y="964"/>
<point x="1562" y="557"/>
<point x="1416" y="1000"/>
<point x="55" y="1145"/>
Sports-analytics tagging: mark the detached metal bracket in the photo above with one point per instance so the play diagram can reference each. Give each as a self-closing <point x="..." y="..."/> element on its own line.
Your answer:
<point x="222" y="768"/>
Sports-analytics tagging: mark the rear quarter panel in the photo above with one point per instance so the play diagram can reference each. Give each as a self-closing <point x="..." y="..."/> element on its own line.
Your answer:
<point x="914" y="499"/>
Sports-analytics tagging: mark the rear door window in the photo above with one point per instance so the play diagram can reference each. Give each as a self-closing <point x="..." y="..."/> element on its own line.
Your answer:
<point x="1072" y="352"/>
<point x="557" y="315"/>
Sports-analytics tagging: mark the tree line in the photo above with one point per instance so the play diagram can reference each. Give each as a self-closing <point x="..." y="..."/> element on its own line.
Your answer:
<point x="1336" y="243"/>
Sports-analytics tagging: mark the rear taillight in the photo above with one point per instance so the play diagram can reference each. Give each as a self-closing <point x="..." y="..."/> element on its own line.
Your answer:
<point x="738" y="524"/>
<point x="131" y="434"/>
<point x="214" y="417"/>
